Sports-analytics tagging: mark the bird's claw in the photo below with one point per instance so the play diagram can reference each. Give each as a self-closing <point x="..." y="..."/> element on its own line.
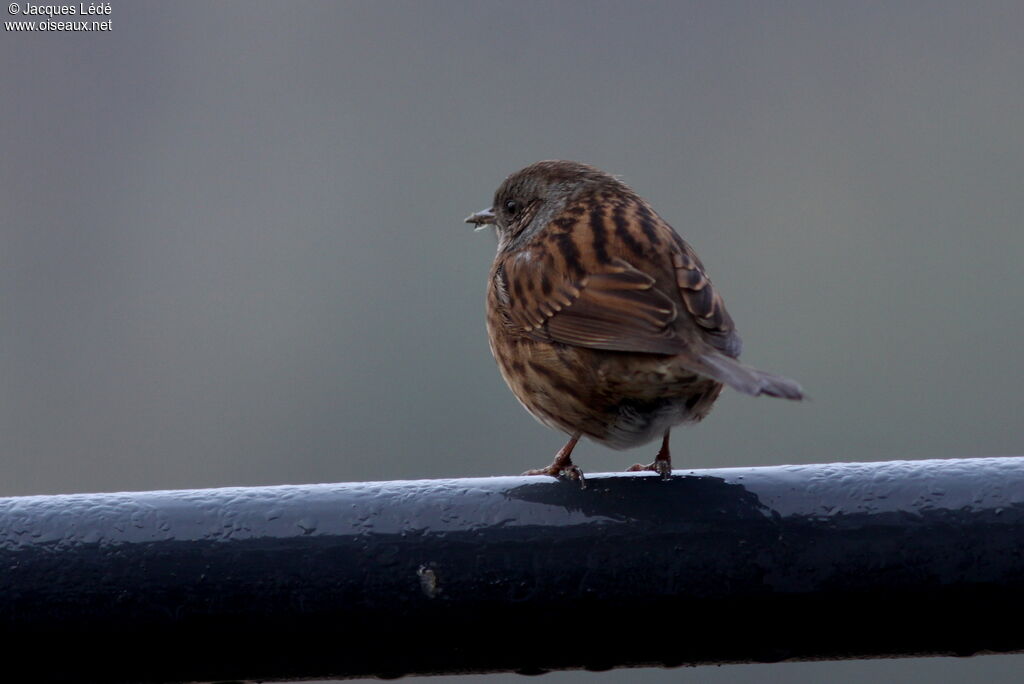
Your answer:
<point x="569" y="472"/>
<point x="660" y="466"/>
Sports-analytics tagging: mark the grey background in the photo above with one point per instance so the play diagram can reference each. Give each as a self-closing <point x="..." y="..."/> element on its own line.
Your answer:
<point x="231" y="248"/>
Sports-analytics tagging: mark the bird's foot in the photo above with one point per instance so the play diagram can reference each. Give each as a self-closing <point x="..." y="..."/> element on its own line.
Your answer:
<point x="661" y="466"/>
<point x="569" y="471"/>
<point x="662" y="462"/>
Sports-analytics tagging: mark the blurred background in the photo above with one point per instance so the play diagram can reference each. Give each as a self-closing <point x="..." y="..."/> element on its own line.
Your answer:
<point x="232" y="249"/>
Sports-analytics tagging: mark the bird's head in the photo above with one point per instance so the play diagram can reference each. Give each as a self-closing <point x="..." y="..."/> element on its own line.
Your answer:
<point x="530" y="198"/>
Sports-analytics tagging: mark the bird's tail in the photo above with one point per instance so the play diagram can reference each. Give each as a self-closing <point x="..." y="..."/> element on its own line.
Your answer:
<point x="746" y="379"/>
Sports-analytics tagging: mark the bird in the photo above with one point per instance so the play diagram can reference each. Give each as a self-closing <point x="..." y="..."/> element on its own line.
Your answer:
<point x="602" y="319"/>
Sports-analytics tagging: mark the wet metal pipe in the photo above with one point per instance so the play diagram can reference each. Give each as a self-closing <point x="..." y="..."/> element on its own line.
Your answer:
<point x="512" y="573"/>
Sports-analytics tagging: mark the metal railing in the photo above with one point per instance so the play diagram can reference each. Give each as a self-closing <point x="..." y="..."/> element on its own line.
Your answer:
<point x="514" y="573"/>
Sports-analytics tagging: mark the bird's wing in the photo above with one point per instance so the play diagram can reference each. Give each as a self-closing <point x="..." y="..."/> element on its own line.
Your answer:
<point x="616" y="308"/>
<point x="619" y="308"/>
<point x="701" y="299"/>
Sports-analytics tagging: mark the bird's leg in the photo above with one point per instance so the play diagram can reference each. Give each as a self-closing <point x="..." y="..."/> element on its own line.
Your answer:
<point x="563" y="465"/>
<point x="662" y="462"/>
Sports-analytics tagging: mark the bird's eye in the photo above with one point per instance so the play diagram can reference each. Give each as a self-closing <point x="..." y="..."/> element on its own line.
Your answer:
<point x="511" y="206"/>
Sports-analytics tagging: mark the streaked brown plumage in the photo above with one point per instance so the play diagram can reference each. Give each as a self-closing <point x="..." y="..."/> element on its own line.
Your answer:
<point x="601" y="318"/>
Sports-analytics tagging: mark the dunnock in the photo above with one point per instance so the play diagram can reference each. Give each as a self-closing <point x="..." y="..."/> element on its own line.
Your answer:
<point x="602" y="319"/>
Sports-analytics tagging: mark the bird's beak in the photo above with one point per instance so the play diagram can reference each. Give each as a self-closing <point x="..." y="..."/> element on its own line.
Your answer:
<point x="482" y="219"/>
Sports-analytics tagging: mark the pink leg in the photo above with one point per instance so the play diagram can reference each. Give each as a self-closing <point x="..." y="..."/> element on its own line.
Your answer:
<point x="562" y="465"/>
<point x="662" y="462"/>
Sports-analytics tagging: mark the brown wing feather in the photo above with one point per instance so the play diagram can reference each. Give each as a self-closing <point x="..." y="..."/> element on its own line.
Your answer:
<point x="617" y="308"/>
<point x="702" y="301"/>
<point x="613" y="304"/>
